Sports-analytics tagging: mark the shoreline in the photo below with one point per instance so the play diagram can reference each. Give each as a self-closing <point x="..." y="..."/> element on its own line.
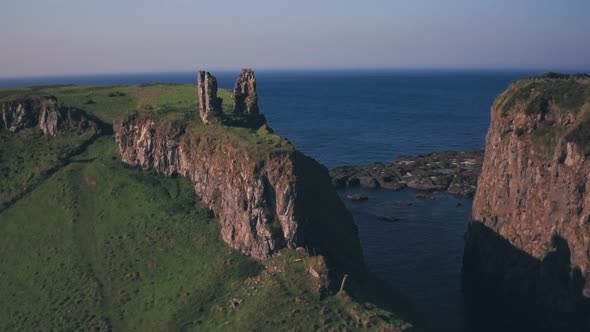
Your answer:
<point x="452" y="172"/>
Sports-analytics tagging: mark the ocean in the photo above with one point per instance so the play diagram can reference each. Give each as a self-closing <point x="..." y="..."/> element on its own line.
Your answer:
<point x="358" y="117"/>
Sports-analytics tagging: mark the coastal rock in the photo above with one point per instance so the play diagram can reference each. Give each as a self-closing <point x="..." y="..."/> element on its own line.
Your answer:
<point x="209" y="103"/>
<point x="45" y="113"/>
<point x="245" y="97"/>
<point x="265" y="198"/>
<point x="357" y="197"/>
<point x="527" y="251"/>
<point x="455" y="172"/>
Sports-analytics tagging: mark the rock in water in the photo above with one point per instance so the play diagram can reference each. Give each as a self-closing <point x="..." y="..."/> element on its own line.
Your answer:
<point x="209" y="103"/>
<point x="527" y="251"/>
<point x="455" y="172"/>
<point x="357" y="197"/>
<point x="245" y="97"/>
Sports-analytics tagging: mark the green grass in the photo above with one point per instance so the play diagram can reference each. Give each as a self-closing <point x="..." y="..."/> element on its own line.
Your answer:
<point x="176" y="102"/>
<point x="565" y="95"/>
<point x="27" y="157"/>
<point x="551" y="95"/>
<point x="99" y="244"/>
<point x="155" y="97"/>
<point x="95" y="244"/>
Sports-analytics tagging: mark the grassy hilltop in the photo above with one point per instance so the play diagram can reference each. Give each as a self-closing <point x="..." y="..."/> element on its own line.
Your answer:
<point x="88" y="243"/>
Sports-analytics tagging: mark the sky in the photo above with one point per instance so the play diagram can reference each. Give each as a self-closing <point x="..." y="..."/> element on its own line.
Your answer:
<point x="63" y="37"/>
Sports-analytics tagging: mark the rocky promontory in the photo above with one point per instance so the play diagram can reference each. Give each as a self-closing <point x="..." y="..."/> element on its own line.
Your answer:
<point x="455" y="172"/>
<point x="527" y="251"/>
<point x="266" y="195"/>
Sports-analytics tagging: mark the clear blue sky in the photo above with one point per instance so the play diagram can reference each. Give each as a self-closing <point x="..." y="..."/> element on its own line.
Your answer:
<point x="73" y="36"/>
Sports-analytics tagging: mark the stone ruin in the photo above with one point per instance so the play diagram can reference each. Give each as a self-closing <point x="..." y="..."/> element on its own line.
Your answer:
<point x="209" y="103"/>
<point x="245" y="111"/>
<point x="245" y="97"/>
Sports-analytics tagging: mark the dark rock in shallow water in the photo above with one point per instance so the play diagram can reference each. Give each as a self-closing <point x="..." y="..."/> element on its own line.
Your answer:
<point x="455" y="172"/>
<point x="388" y="219"/>
<point x="357" y="197"/>
<point x="425" y="195"/>
<point x="402" y="203"/>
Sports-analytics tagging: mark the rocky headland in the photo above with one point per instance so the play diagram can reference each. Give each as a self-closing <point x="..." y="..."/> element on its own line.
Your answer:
<point x="527" y="250"/>
<point x="266" y="196"/>
<point x="108" y="247"/>
<point x="453" y="172"/>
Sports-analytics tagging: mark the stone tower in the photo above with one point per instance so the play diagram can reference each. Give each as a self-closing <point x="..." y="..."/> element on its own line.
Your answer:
<point x="209" y="103"/>
<point x="245" y="97"/>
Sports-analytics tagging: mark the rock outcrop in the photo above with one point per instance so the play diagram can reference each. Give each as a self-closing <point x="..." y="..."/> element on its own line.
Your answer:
<point x="45" y="113"/>
<point x="245" y="97"/>
<point x="265" y="198"/>
<point x="209" y="103"/>
<point x="527" y="252"/>
<point x="455" y="172"/>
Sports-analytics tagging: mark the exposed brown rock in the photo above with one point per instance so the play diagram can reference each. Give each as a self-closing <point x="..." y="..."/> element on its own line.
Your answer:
<point x="264" y="198"/>
<point x="245" y="97"/>
<point x="44" y="112"/>
<point x="209" y="103"/>
<point x="23" y="113"/>
<point x="55" y="121"/>
<point x="528" y="246"/>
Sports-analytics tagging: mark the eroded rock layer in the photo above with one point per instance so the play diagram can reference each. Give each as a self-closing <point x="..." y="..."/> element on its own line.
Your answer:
<point x="265" y="198"/>
<point x="527" y="248"/>
<point x="45" y="113"/>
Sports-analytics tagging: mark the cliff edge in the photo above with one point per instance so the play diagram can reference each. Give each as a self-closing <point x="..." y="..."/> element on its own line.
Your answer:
<point x="266" y="195"/>
<point x="528" y="243"/>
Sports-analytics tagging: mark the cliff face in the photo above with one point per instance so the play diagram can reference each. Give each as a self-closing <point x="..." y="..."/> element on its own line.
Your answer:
<point x="528" y="245"/>
<point x="265" y="198"/>
<point x="44" y="112"/>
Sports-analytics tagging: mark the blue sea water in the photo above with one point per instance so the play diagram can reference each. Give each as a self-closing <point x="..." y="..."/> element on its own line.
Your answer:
<point x="357" y="117"/>
<point x="354" y="117"/>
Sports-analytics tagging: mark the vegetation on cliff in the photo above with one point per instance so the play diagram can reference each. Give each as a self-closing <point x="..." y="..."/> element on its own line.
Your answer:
<point x="94" y="244"/>
<point x="553" y="100"/>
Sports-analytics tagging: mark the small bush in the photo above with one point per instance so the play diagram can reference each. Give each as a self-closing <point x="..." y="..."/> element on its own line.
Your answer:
<point x="581" y="135"/>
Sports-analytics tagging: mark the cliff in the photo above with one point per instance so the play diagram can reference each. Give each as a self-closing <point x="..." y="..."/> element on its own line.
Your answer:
<point x="45" y="113"/>
<point x="266" y="198"/>
<point x="527" y="250"/>
<point x="111" y="247"/>
<point x="266" y="195"/>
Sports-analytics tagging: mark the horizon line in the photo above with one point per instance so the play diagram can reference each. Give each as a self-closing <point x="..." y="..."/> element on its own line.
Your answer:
<point x="350" y="69"/>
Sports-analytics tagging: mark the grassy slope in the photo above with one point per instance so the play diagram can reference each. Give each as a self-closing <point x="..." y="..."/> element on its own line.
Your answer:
<point x="98" y="244"/>
<point x="28" y="157"/>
